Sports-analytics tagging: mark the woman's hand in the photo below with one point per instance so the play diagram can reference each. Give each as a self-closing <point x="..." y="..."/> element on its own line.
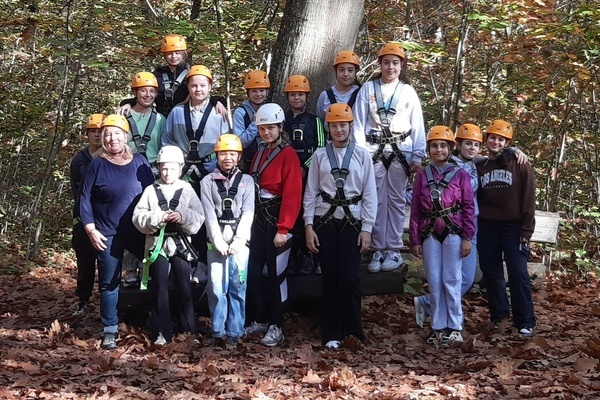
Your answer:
<point x="364" y="241"/>
<point x="312" y="240"/>
<point x="97" y="240"/>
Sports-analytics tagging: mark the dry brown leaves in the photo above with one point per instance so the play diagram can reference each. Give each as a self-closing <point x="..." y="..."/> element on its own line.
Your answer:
<point x="46" y="353"/>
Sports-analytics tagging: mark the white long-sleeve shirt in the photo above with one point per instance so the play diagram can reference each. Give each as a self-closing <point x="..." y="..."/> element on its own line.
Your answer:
<point x="360" y="180"/>
<point x="409" y="116"/>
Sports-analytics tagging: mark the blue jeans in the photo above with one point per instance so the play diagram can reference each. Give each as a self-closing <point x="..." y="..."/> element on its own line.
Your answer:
<point x="226" y="292"/>
<point x="443" y="264"/>
<point x="109" y="279"/>
<point x="495" y="240"/>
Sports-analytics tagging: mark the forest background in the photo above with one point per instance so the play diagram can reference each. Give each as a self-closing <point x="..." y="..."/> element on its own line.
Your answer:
<point x="534" y="63"/>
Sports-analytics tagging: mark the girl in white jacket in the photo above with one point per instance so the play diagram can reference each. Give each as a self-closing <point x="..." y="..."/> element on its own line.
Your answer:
<point x="169" y="212"/>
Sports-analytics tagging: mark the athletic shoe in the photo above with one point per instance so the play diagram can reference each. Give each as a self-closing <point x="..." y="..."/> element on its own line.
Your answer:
<point x="526" y="331"/>
<point x="215" y="341"/>
<point x="82" y="308"/>
<point x="256" y="328"/>
<point x="160" y="340"/>
<point x="131" y="278"/>
<point x="375" y="264"/>
<point x="273" y="337"/>
<point x="420" y="313"/>
<point x="435" y="338"/>
<point x="231" y="342"/>
<point x="451" y="338"/>
<point x="110" y="340"/>
<point x="333" y="344"/>
<point x="392" y="261"/>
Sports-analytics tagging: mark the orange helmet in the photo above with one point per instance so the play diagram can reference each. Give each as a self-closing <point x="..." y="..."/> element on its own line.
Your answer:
<point x="173" y="42"/>
<point x="392" y="48"/>
<point x="94" y="121"/>
<point x="469" y="132"/>
<point x="297" y="83"/>
<point x="142" y="79"/>
<point x="339" y="112"/>
<point x="257" y="80"/>
<point x="116" y="120"/>
<point x="501" y="128"/>
<point x="347" y="56"/>
<point x="440" y="132"/>
<point x="199" y="70"/>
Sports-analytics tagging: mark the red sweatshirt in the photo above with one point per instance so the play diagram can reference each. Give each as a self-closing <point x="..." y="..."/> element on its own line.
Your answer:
<point x="283" y="177"/>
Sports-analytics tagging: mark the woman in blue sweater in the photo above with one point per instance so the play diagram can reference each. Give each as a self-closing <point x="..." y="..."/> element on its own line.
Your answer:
<point x="111" y="187"/>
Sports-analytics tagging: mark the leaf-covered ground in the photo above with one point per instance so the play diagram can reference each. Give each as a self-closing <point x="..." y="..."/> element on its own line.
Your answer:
<point x="45" y="353"/>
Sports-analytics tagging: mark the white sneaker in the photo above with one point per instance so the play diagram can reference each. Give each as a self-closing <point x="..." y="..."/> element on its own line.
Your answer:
<point x="333" y="344"/>
<point x="256" y="328"/>
<point x="451" y="338"/>
<point x="273" y="337"/>
<point x="392" y="261"/>
<point x="131" y="278"/>
<point x="160" y="340"/>
<point x="420" y="313"/>
<point x="375" y="264"/>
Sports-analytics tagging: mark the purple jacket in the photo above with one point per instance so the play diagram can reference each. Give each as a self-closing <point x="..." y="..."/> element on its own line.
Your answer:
<point x="458" y="192"/>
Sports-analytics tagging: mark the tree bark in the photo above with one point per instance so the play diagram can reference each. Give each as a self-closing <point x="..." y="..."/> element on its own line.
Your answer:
<point x="311" y="34"/>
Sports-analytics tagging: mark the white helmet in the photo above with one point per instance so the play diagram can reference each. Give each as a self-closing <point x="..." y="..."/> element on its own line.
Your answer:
<point x="269" y="113"/>
<point x="170" y="154"/>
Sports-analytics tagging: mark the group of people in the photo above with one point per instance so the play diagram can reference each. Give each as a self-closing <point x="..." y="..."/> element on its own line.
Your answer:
<point x="168" y="180"/>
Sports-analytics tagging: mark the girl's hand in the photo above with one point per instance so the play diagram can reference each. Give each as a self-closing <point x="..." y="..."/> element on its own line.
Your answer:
<point x="364" y="241"/>
<point x="174" y="217"/>
<point x="220" y="109"/>
<point x="415" y="167"/>
<point x="312" y="240"/>
<point x="417" y="250"/>
<point x="521" y="157"/>
<point x="465" y="248"/>
<point x="280" y="240"/>
<point x="124" y="110"/>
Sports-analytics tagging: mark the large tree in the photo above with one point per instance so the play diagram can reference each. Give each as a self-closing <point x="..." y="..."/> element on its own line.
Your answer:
<point x="311" y="33"/>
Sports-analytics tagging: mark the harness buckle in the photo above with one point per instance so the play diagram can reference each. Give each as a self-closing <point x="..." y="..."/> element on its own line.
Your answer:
<point x="435" y="194"/>
<point x="227" y="204"/>
<point x="169" y="93"/>
<point x="142" y="148"/>
<point x="297" y="134"/>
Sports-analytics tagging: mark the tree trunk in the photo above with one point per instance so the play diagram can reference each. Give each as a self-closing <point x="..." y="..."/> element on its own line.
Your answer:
<point x="311" y="33"/>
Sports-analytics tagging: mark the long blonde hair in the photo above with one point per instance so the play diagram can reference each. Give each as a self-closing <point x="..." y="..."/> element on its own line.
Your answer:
<point x="104" y="153"/>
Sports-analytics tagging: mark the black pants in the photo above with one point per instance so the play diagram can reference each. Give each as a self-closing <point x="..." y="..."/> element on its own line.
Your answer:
<point x="86" y="262"/>
<point x="182" y="303"/>
<point x="268" y="305"/>
<point x="339" y="257"/>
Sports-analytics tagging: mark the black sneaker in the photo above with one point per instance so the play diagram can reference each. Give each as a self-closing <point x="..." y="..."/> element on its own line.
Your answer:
<point x="110" y="340"/>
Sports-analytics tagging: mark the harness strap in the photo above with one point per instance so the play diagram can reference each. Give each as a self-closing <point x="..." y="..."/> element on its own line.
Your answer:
<point x="141" y="142"/>
<point x="436" y="189"/>
<point x="333" y="100"/>
<point x="193" y="157"/>
<point x="227" y="201"/>
<point x="339" y="176"/>
<point x="171" y="87"/>
<point x="256" y="170"/>
<point x="387" y="137"/>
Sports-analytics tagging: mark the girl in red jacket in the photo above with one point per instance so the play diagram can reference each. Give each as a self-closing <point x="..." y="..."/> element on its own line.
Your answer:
<point x="278" y="182"/>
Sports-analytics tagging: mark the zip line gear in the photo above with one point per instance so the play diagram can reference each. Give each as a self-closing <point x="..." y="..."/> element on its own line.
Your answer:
<point x="333" y="100"/>
<point x="297" y="83"/>
<point x="193" y="158"/>
<point x="257" y="80"/>
<point x="266" y="207"/>
<point x="339" y="112"/>
<point x="228" y="142"/>
<point x="95" y="121"/>
<point x="347" y="56"/>
<point x="228" y="202"/>
<point x="436" y="190"/>
<point x="469" y="132"/>
<point x="500" y="128"/>
<point x="173" y="42"/>
<point x="141" y="142"/>
<point x="172" y="86"/>
<point x="170" y="154"/>
<point x="269" y="113"/>
<point x="116" y="120"/>
<point x="144" y="79"/>
<point x="392" y="48"/>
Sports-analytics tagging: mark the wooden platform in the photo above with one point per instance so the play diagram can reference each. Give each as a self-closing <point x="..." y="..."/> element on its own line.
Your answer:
<point x="303" y="289"/>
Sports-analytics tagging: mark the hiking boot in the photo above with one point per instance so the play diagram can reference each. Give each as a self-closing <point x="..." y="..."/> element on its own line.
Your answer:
<point x="256" y="328"/>
<point x="160" y="340"/>
<point x="392" y="261"/>
<point x="273" y="337"/>
<point x="231" y="342"/>
<point x="304" y="264"/>
<point x="375" y="264"/>
<point x="451" y="338"/>
<point x="131" y="279"/>
<point x="82" y="308"/>
<point x="420" y="313"/>
<point x="215" y="341"/>
<point x="333" y="345"/>
<point x="109" y="342"/>
<point x="200" y="273"/>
